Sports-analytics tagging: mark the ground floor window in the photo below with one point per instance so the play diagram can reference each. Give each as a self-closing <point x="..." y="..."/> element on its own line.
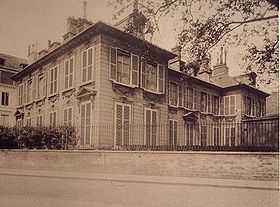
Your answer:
<point x="122" y="123"/>
<point x="85" y="123"/>
<point x="203" y="135"/>
<point x="53" y="119"/>
<point x="189" y="134"/>
<point x="173" y="132"/>
<point x="68" y="116"/>
<point x="40" y="120"/>
<point x="150" y="123"/>
<point x="4" y="120"/>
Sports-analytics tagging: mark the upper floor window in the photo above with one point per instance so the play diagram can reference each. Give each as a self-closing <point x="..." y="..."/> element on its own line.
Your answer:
<point x="5" y="99"/>
<point x="153" y="77"/>
<point x="124" y="67"/>
<point x="20" y="94"/>
<point x="189" y="97"/>
<point x="28" y="91"/>
<point x="68" y="73"/>
<point x="87" y="64"/>
<point x="53" y="80"/>
<point x="42" y="86"/>
<point x="229" y="105"/>
<point x="215" y="105"/>
<point x="173" y="94"/>
<point x="203" y="102"/>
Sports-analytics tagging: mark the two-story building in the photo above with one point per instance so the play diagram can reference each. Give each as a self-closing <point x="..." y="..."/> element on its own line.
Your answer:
<point x="9" y="66"/>
<point x="118" y="89"/>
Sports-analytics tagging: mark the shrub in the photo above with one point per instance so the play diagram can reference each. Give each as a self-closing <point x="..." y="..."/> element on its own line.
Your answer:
<point x="63" y="137"/>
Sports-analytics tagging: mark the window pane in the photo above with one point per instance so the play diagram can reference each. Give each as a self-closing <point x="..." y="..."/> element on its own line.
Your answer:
<point x="90" y="56"/>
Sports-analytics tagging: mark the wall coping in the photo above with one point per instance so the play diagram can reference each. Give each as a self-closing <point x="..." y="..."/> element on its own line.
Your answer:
<point x="142" y="152"/>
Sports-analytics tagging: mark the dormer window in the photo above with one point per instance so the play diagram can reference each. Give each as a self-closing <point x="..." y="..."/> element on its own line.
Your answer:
<point x="124" y="67"/>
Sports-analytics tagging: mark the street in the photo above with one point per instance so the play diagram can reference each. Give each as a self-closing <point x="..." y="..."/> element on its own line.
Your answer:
<point x="51" y="191"/>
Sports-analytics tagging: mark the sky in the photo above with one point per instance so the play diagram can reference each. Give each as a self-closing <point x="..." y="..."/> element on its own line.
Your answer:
<point x="23" y="22"/>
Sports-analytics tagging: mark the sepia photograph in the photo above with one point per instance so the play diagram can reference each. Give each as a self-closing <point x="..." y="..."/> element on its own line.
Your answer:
<point x="139" y="103"/>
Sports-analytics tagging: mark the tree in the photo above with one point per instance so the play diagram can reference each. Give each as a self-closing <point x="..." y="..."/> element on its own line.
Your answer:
<point x="205" y="24"/>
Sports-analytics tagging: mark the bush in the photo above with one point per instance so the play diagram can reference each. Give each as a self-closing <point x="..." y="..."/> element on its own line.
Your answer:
<point x="63" y="137"/>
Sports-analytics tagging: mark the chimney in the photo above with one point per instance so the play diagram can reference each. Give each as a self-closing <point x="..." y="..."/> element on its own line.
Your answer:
<point x="175" y="63"/>
<point x="32" y="55"/>
<point x="75" y="26"/>
<point x="221" y="69"/>
<point x="205" y="71"/>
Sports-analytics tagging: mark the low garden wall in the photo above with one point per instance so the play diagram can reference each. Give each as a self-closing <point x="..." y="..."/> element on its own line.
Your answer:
<point x="224" y="165"/>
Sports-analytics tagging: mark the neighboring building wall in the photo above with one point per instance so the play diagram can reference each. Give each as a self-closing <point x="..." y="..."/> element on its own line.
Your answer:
<point x="272" y="103"/>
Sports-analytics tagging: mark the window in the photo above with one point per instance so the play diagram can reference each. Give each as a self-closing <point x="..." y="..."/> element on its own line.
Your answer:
<point x="5" y="99"/>
<point x="209" y="103"/>
<point x="39" y="120"/>
<point x="124" y="67"/>
<point x="4" y="120"/>
<point x="53" y="119"/>
<point x="153" y="77"/>
<point x="189" y="134"/>
<point x="28" y="91"/>
<point x="85" y="123"/>
<point x="180" y="96"/>
<point x="203" y="102"/>
<point x="42" y="86"/>
<point x="68" y="73"/>
<point x="68" y="116"/>
<point x="87" y="64"/>
<point x="203" y="135"/>
<point x="173" y="94"/>
<point x="216" y="105"/>
<point x="20" y="94"/>
<point x="53" y="80"/>
<point x="189" y="98"/>
<point x="150" y="123"/>
<point x="172" y="132"/>
<point x="229" y="105"/>
<point x="196" y="100"/>
<point x="28" y="121"/>
<point x="122" y="124"/>
<point x="216" y="131"/>
<point x="34" y="87"/>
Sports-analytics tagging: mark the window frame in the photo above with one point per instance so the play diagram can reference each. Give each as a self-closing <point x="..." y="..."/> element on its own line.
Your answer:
<point x="131" y="70"/>
<point x="172" y="127"/>
<point x="145" y="124"/>
<point x="115" y="121"/>
<point x="66" y="122"/>
<point x="5" y="98"/>
<point x="86" y="67"/>
<point x="51" y="115"/>
<point x="169" y="94"/>
<point x="158" y="65"/>
<point x="54" y="82"/>
<point x="68" y="60"/>
<point x="90" y="120"/>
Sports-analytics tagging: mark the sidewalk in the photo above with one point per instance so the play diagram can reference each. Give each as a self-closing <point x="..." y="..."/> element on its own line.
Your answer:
<point x="191" y="181"/>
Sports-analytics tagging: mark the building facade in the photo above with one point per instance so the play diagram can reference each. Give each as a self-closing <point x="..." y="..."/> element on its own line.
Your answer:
<point x="9" y="66"/>
<point x="120" y="90"/>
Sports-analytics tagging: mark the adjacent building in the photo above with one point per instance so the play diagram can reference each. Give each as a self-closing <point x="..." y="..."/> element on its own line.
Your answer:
<point x="118" y="89"/>
<point x="9" y="66"/>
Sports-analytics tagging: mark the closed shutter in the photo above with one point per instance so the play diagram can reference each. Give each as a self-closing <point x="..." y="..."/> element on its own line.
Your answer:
<point x="126" y="124"/>
<point x="66" y="68"/>
<point x="154" y="127"/>
<point x="113" y="63"/>
<point x="144" y="73"/>
<point x="90" y="64"/>
<point x="232" y="104"/>
<point x="83" y="115"/>
<point x="71" y="72"/>
<point x="119" y="124"/>
<point x="84" y="66"/>
<point x="222" y="106"/>
<point x="122" y="130"/>
<point x="161" y="76"/>
<point x="135" y="69"/>
<point x="88" y="113"/>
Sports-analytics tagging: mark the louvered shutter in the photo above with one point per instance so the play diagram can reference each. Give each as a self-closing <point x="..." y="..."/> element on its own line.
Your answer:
<point x="113" y="63"/>
<point x="83" y="127"/>
<point x="88" y="126"/>
<point x="161" y="73"/>
<point x="135" y="69"/>
<point x="119" y="118"/>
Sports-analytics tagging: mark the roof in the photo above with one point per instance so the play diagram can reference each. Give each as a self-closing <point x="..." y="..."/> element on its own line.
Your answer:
<point x="232" y="85"/>
<point x="12" y="62"/>
<point x="97" y="28"/>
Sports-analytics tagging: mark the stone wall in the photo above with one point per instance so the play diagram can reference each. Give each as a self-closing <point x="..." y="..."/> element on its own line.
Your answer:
<point x="221" y="165"/>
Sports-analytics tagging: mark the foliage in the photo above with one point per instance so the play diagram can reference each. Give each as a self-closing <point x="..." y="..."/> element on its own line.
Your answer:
<point x="63" y="137"/>
<point x="205" y="24"/>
